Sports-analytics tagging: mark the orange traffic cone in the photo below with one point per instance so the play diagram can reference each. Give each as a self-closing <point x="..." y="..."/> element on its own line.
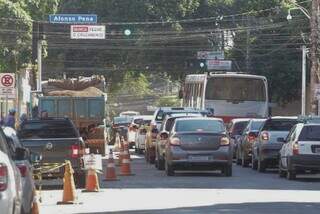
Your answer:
<point x="69" y="188"/>
<point x="125" y="169"/>
<point x="126" y="150"/>
<point x="121" y="153"/>
<point x="111" y="169"/>
<point x="35" y="205"/>
<point x="92" y="181"/>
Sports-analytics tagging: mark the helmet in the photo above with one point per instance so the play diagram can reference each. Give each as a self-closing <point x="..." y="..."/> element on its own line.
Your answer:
<point x="12" y="110"/>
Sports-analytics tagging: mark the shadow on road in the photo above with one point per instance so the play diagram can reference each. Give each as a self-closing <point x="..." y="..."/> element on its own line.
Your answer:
<point x="248" y="208"/>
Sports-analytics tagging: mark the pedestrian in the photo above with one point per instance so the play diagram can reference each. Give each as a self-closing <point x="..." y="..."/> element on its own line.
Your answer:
<point x="10" y="120"/>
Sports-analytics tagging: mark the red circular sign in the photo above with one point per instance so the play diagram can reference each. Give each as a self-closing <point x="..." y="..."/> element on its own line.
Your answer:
<point x="7" y="80"/>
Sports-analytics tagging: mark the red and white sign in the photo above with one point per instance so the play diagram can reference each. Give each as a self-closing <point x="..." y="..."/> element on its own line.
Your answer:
<point x="7" y="85"/>
<point x="221" y="65"/>
<point x="88" y="32"/>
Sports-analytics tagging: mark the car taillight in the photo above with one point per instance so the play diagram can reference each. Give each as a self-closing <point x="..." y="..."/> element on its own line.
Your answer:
<point x="251" y="137"/>
<point x="175" y="142"/>
<point x="23" y="169"/>
<point x="224" y="141"/>
<point x="3" y="177"/>
<point x="75" y="151"/>
<point x="295" y="148"/>
<point x="265" y="136"/>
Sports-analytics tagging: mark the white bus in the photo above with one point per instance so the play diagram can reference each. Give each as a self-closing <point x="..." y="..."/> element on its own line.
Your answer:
<point x="228" y="95"/>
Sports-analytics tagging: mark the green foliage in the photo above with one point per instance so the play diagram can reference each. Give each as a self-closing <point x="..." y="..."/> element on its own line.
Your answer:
<point x="168" y="101"/>
<point x="16" y="19"/>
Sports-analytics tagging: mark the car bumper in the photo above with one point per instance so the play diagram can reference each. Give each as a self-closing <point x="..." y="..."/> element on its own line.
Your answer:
<point x="6" y="202"/>
<point x="200" y="159"/>
<point x="270" y="151"/>
<point x="304" y="162"/>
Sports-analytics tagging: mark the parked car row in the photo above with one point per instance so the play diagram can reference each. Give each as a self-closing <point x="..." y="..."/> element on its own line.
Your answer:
<point x="16" y="180"/>
<point x="290" y="144"/>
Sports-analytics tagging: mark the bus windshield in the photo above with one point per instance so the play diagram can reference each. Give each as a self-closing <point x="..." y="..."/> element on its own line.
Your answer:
<point x="235" y="89"/>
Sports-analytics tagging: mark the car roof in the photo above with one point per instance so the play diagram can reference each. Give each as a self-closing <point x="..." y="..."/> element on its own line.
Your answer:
<point x="238" y="120"/>
<point x="199" y="118"/>
<point x="144" y="117"/>
<point x="169" y="109"/>
<point x="284" y="118"/>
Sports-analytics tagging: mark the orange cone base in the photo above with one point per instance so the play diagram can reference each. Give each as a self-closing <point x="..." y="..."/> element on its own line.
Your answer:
<point x="84" y="191"/>
<point x="127" y="174"/>
<point x="111" y="179"/>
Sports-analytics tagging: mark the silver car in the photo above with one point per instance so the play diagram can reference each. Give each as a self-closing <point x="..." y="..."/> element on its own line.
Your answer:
<point x="10" y="181"/>
<point x="198" y="144"/>
<point x="22" y="162"/>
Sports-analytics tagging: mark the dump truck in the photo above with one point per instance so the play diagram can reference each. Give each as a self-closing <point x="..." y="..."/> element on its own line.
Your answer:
<point x="83" y="100"/>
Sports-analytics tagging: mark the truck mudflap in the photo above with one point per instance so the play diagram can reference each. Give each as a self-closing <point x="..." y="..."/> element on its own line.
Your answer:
<point x="96" y="146"/>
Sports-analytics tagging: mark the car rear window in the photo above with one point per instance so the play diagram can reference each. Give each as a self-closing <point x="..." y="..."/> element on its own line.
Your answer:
<point x="162" y="114"/>
<point x="256" y="125"/>
<point x="310" y="133"/>
<point x="47" y="129"/>
<point x="279" y="125"/>
<point x="239" y="127"/>
<point x="122" y="120"/>
<point x="200" y="125"/>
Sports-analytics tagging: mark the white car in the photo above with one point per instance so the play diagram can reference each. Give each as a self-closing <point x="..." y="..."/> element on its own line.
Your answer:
<point x="300" y="152"/>
<point x="140" y="136"/>
<point x="10" y="182"/>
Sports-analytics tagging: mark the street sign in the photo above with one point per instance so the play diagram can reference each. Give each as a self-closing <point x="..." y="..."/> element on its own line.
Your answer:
<point x="92" y="161"/>
<point x="7" y="86"/>
<point x="220" y="65"/>
<point x="88" y="32"/>
<point x="73" y="18"/>
<point x="210" y="55"/>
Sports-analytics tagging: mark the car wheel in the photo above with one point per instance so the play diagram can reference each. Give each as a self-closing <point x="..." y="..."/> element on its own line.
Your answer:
<point x="254" y="163"/>
<point x="291" y="175"/>
<point x="161" y="164"/>
<point x="261" y="166"/>
<point x="169" y="169"/>
<point x="238" y="161"/>
<point x="244" y="162"/>
<point x="227" y="171"/>
<point x="281" y="172"/>
<point x="80" y="179"/>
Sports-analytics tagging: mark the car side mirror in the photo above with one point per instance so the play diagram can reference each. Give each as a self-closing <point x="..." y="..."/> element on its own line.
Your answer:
<point x="164" y="135"/>
<point x="281" y="140"/>
<point x="21" y="154"/>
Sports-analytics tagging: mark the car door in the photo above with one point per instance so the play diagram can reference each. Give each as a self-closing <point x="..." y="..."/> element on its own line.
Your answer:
<point x="286" y="148"/>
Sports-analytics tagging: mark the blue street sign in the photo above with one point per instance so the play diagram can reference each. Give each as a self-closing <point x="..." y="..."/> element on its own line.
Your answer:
<point x="73" y="18"/>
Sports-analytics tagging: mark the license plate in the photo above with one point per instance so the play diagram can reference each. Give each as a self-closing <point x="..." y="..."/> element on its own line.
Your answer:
<point x="199" y="158"/>
<point x="317" y="150"/>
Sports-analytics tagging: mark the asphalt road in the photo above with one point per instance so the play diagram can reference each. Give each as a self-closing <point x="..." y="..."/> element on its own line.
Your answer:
<point x="151" y="191"/>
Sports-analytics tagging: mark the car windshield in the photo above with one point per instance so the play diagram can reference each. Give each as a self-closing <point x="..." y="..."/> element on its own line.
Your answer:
<point x="239" y="127"/>
<point x="214" y="126"/>
<point x="122" y="120"/>
<point x="279" y="125"/>
<point x="310" y="133"/>
<point x="47" y="129"/>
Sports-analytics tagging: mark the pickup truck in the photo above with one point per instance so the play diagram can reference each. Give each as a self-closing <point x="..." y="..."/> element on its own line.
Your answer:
<point x="54" y="140"/>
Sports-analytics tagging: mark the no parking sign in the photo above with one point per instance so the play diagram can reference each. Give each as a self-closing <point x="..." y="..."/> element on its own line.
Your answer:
<point x="7" y="86"/>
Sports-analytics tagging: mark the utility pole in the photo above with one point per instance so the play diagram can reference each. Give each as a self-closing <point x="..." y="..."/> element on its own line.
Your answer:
<point x="303" y="90"/>
<point x="248" y="46"/>
<point x="314" y="76"/>
<point x="39" y="60"/>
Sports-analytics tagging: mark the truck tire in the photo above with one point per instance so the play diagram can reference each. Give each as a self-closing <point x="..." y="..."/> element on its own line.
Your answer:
<point x="80" y="179"/>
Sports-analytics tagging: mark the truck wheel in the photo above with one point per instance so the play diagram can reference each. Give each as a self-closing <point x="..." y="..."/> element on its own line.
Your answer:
<point x="80" y="179"/>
